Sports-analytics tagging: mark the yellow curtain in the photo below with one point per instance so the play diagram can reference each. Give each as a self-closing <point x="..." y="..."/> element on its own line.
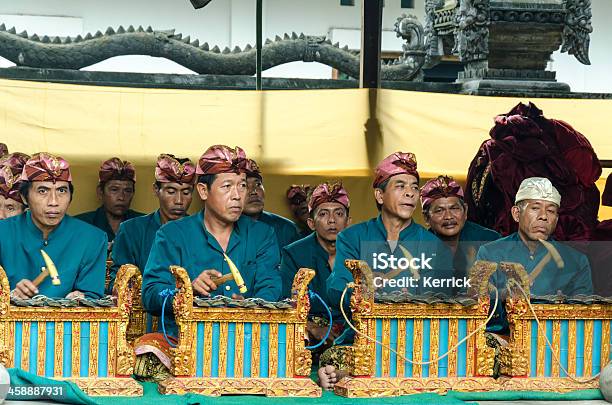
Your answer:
<point x="296" y="136"/>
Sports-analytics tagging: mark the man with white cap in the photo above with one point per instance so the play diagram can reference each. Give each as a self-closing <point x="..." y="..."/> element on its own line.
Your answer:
<point x="552" y="267"/>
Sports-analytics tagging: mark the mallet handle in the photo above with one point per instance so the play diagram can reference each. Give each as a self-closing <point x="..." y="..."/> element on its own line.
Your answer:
<point x="223" y="279"/>
<point x="41" y="277"/>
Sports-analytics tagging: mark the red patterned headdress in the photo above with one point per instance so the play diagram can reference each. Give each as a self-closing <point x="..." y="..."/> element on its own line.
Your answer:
<point x="394" y="164"/>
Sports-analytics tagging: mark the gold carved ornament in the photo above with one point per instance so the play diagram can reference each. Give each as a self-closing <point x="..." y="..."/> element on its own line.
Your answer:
<point x="126" y="287"/>
<point x="363" y="350"/>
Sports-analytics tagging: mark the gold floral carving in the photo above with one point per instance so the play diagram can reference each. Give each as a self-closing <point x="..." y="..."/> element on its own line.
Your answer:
<point x="366" y="312"/>
<point x="120" y="354"/>
<point x="515" y="358"/>
<point x="183" y="361"/>
<point x="5" y="294"/>
<point x="479" y="274"/>
<point x="271" y="387"/>
<point x="298" y="361"/>
<point x="385" y="387"/>
<point x="125" y="387"/>
<point x="137" y="325"/>
<point x="127" y="285"/>
<point x="300" y="291"/>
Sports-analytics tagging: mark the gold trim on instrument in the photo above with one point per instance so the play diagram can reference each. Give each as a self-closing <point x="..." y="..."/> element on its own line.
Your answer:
<point x="42" y="348"/>
<point x="556" y="344"/>
<point x="453" y="339"/>
<point x="297" y="360"/>
<point x="571" y="343"/>
<point x="401" y="347"/>
<point x="120" y="355"/>
<point x="208" y="349"/>
<point x="605" y="343"/>
<point x="94" y="348"/>
<point x="290" y="345"/>
<point x="273" y="350"/>
<point x="255" y="342"/>
<point x="434" y="339"/>
<point x="541" y="355"/>
<point x="386" y="353"/>
<point x="25" y="344"/>
<point x="271" y="387"/>
<point x="588" y="348"/>
<point x="239" y="350"/>
<point x="76" y="349"/>
<point x="417" y="348"/>
<point x="471" y="348"/>
<point x="222" y="349"/>
<point x="58" y="367"/>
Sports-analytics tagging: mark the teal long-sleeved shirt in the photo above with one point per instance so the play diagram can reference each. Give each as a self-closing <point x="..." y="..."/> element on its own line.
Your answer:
<point x="98" y="219"/>
<point x="133" y="243"/>
<point x="77" y="249"/>
<point x="186" y="243"/>
<point x="362" y="241"/>
<point x="286" y="231"/>
<point x="308" y="253"/>
<point x="574" y="278"/>
<point x="472" y="236"/>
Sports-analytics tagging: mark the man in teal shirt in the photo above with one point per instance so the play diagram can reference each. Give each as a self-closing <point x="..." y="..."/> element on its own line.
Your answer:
<point x="446" y="214"/>
<point x="536" y="210"/>
<point x="286" y="231"/>
<point x="297" y="197"/>
<point x="198" y="242"/>
<point x="393" y="232"/>
<point x="174" y="178"/>
<point x="391" y="235"/>
<point x="77" y="249"/>
<point x="116" y="187"/>
<point x="329" y="215"/>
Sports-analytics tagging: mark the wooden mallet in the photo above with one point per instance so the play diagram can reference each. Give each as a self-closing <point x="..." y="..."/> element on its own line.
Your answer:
<point x="48" y="270"/>
<point x="233" y="275"/>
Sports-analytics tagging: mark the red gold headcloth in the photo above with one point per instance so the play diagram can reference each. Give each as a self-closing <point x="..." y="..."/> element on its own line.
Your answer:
<point x="44" y="166"/>
<point x="15" y="162"/>
<point x="222" y="159"/>
<point x="298" y="193"/>
<point x="9" y="184"/>
<point x="325" y="193"/>
<point x="253" y="170"/>
<point x="170" y="170"/>
<point x="116" y="169"/>
<point x="11" y="167"/>
<point x="394" y="164"/>
<point x="442" y="187"/>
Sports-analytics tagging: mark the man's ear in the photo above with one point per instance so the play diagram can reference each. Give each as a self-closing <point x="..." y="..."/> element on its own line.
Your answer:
<point x="310" y="223"/>
<point x="378" y="195"/>
<point x="100" y="192"/>
<point x="516" y="212"/>
<point x="349" y="221"/>
<point x="202" y="191"/>
<point x="156" y="190"/>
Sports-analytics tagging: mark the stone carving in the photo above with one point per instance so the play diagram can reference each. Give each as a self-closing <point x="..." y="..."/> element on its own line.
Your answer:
<point x="78" y="52"/>
<point x="577" y="29"/>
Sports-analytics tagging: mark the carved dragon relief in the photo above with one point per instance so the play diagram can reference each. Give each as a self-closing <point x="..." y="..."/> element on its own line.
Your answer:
<point x="577" y="29"/>
<point x="78" y="52"/>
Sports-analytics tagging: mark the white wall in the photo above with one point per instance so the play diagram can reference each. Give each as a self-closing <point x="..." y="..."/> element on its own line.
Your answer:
<point x="232" y="23"/>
